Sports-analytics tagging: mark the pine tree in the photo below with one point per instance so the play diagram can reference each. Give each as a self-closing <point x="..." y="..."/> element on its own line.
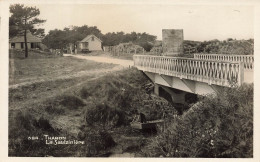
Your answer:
<point x="23" y="20"/>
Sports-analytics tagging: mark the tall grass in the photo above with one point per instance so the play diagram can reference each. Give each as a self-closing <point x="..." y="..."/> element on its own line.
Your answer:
<point x="24" y="126"/>
<point x="116" y="98"/>
<point x="103" y="104"/>
<point x="61" y="103"/>
<point x="218" y="126"/>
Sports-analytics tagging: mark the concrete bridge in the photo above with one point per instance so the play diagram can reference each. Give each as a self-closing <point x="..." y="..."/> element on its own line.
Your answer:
<point x="203" y="74"/>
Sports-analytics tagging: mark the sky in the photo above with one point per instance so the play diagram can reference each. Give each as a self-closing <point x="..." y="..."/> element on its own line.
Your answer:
<point x="198" y="22"/>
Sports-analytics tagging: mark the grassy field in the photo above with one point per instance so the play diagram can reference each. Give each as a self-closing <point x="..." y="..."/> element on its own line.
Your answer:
<point x="38" y="67"/>
<point x="37" y="82"/>
<point x="58" y="96"/>
<point x="94" y="103"/>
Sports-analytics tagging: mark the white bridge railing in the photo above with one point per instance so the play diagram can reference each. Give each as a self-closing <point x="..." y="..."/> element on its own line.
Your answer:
<point x="248" y="60"/>
<point x="221" y="73"/>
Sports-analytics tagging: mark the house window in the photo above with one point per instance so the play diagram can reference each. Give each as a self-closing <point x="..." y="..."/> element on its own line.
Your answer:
<point x="32" y="45"/>
<point x="12" y="45"/>
<point x="85" y="45"/>
<point x="21" y="45"/>
<point x="92" y="38"/>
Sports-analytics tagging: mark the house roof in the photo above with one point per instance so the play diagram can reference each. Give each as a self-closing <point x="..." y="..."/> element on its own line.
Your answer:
<point x="88" y="37"/>
<point x="30" y="38"/>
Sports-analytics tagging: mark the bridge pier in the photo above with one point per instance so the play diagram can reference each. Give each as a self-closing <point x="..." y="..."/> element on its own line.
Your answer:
<point x="185" y="85"/>
<point x="156" y="89"/>
<point x="177" y="96"/>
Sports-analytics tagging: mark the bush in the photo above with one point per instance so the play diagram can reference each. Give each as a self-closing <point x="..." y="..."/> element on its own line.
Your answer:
<point x="84" y="93"/>
<point x="240" y="47"/>
<point x="124" y="92"/>
<point x="44" y="124"/>
<point x="105" y="116"/>
<point x="147" y="46"/>
<point x="217" y="126"/>
<point x="26" y="125"/>
<point x="70" y="101"/>
<point x="96" y="140"/>
<point x="25" y="120"/>
<point x="54" y="109"/>
<point x="59" y="104"/>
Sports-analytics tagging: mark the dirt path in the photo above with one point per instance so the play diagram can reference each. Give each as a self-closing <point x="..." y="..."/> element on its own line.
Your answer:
<point x="124" y="63"/>
<point x="121" y="65"/>
<point x="73" y="75"/>
<point x="62" y="83"/>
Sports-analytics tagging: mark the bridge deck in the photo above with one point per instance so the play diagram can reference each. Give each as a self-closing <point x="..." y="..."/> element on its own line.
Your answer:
<point x="248" y="60"/>
<point x="218" y="70"/>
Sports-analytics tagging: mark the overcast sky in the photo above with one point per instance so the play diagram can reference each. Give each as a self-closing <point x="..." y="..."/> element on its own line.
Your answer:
<point x="198" y="22"/>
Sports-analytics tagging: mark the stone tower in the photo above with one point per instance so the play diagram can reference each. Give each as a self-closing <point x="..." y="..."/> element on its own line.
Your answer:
<point x="172" y="42"/>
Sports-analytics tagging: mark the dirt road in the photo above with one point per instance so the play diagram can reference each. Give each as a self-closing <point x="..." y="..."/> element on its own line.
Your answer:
<point x="41" y="87"/>
<point x="124" y="63"/>
<point x="121" y="64"/>
<point x="68" y="76"/>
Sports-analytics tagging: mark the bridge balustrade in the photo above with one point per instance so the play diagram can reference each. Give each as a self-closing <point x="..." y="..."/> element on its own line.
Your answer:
<point x="221" y="73"/>
<point x="248" y="60"/>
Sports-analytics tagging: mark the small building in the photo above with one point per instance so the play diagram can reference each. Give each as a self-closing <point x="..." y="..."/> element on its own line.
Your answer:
<point x="17" y="42"/>
<point x="108" y="48"/>
<point x="89" y="43"/>
<point x="70" y="48"/>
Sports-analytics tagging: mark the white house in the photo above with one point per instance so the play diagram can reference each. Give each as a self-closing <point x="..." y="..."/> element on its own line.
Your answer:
<point x="89" y="43"/>
<point x="17" y="42"/>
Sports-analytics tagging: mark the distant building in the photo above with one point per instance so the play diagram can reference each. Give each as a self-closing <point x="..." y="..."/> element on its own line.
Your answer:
<point x="90" y="43"/>
<point x="108" y="48"/>
<point x="172" y="41"/>
<point x="17" y="42"/>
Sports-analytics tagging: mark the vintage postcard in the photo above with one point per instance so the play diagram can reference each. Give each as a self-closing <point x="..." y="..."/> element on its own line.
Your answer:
<point x="130" y="79"/>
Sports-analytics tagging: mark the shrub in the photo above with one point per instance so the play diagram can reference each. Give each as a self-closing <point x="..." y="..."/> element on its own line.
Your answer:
<point x="70" y="101"/>
<point x="217" y="126"/>
<point x="147" y="46"/>
<point x="26" y="125"/>
<point x="125" y="92"/>
<point x="53" y="109"/>
<point x="44" y="124"/>
<point x="25" y="120"/>
<point x="97" y="140"/>
<point x="104" y="115"/>
<point x="16" y="96"/>
<point x="84" y="93"/>
<point x="59" y="104"/>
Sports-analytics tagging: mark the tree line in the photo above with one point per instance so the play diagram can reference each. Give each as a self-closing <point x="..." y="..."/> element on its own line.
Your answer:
<point x="23" y="20"/>
<point x="60" y="38"/>
<point x="228" y="46"/>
